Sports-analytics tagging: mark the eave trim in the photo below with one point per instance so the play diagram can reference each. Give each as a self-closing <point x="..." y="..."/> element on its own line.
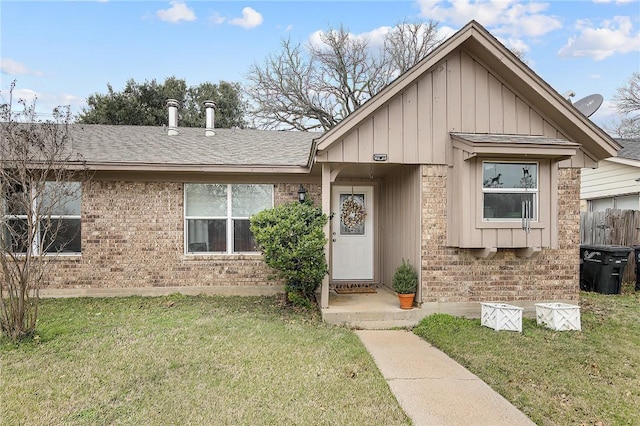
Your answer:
<point x="499" y="145"/>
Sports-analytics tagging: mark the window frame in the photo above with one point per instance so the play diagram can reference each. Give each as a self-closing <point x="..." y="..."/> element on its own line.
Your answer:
<point x="615" y="199"/>
<point x="534" y="191"/>
<point x="229" y="218"/>
<point x="52" y="217"/>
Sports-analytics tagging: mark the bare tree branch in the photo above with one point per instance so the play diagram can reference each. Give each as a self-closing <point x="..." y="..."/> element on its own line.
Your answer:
<point x="314" y="87"/>
<point x="627" y="102"/>
<point x="409" y="42"/>
<point x="34" y="190"/>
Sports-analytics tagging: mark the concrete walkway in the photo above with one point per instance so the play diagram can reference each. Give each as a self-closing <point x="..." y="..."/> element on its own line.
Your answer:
<point x="432" y="388"/>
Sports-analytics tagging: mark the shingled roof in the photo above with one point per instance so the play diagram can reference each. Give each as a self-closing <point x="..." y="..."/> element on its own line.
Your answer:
<point x="131" y="146"/>
<point x="630" y="148"/>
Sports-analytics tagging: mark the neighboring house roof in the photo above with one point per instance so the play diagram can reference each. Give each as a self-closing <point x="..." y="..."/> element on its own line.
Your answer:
<point x="476" y="39"/>
<point x="133" y="147"/>
<point x="630" y="148"/>
<point x="615" y="176"/>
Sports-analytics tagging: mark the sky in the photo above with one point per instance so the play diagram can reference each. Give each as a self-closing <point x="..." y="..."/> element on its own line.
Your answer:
<point x="63" y="51"/>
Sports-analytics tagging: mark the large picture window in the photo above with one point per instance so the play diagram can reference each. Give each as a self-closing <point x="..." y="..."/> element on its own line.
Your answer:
<point x="217" y="216"/>
<point x="57" y="210"/>
<point x="510" y="191"/>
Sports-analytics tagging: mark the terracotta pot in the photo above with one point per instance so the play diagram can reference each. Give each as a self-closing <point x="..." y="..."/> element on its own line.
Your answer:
<point x="406" y="300"/>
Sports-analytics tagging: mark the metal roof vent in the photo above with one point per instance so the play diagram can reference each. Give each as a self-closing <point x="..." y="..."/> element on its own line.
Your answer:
<point x="210" y="109"/>
<point x="172" y="105"/>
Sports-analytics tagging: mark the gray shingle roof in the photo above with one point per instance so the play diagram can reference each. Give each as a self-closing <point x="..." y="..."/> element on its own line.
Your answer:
<point x="630" y="148"/>
<point x="105" y="144"/>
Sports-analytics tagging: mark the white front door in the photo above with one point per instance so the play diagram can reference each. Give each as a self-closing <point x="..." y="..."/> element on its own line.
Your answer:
<point x="352" y="233"/>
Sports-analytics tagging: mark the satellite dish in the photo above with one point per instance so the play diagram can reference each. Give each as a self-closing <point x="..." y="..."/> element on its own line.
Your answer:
<point x="589" y="104"/>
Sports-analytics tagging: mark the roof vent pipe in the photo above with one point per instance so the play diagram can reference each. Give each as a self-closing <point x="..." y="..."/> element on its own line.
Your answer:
<point x="210" y="108"/>
<point x="172" y="104"/>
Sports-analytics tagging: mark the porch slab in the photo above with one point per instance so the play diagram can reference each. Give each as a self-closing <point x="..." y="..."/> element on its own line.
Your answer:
<point x="370" y="311"/>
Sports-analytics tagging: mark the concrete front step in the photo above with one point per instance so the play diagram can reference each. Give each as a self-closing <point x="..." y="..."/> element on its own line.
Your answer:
<point x="374" y="320"/>
<point x="370" y="311"/>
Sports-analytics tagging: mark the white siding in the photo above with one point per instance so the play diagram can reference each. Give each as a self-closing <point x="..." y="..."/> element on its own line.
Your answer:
<point x="609" y="179"/>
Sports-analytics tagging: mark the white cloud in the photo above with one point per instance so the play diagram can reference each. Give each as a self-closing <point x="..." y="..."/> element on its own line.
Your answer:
<point x="250" y="19"/>
<point x="535" y="25"/>
<point x="510" y="18"/>
<point x="11" y="67"/>
<point x="516" y="44"/>
<point x="216" y="18"/>
<point x="176" y="13"/>
<point x="606" y="116"/>
<point x="27" y="95"/>
<point x="613" y="1"/>
<point x="286" y="29"/>
<point x="445" y="32"/>
<point x="375" y="37"/>
<point x="612" y="37"/>
<point x="46" y="102"/>
<point x="315" y="39"/>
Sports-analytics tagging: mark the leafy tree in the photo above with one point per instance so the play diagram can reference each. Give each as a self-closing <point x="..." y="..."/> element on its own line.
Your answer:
<point x="34" y="184"/>
<point x="145" y="104"/>
<point x="314" y="87"/>
<point x="627" y="102"/>
<point x="292" y="241"/>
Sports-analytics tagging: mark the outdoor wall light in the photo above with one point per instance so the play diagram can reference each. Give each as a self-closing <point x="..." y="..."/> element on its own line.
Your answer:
<point x="302" y="194"/>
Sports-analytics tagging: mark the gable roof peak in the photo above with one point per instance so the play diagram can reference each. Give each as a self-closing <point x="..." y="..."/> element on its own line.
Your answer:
<point x="485" y="48"/>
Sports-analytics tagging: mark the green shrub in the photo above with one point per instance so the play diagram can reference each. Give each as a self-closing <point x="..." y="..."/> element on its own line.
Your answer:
<point x="405" y="279"/>
<point x="292" y="241"/>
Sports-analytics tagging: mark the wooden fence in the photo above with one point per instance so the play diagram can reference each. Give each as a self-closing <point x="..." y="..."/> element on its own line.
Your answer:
<point x="613" y="227"/>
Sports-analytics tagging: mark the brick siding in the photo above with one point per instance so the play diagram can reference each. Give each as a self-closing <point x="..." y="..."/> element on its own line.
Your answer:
<point x="289" y="191"/>
<point x="454" y="275"/>
<point x="133" y="236"/>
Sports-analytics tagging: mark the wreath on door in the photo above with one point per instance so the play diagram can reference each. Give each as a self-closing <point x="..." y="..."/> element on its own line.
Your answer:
<point x="353" y="213"/>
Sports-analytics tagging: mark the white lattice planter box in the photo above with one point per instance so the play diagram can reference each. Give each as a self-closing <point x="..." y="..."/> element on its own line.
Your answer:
<point x="501" y="316"/>
<point x="558" y="316"/>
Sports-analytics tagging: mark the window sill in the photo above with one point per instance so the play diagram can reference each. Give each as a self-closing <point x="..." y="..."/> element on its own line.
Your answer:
<point x="195" y="257"/>
<point x="63" y="256"/>
<point x="516" y="224"/>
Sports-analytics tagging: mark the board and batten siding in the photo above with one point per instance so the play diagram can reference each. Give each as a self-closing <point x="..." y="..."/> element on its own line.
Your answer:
<point x="399" y="222"/>
<point x="608" y="180"/>
<point x="466" y="227"/>
<point x="459" y="94"/>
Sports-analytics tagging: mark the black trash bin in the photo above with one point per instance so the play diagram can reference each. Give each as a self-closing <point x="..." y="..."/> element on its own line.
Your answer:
<point x="602" y="267"/>
<point x="637" y="257"/>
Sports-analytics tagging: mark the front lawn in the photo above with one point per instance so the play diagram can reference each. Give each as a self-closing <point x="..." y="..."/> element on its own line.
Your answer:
<point x="189" y="360"/>
<point x="556" y="378"/>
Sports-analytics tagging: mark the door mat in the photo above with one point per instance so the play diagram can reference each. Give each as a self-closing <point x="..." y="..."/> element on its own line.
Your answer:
<point x="348" y="288"/>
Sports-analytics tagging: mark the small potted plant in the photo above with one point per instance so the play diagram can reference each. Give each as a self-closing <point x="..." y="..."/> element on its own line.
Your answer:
<point x="405" y="282"/>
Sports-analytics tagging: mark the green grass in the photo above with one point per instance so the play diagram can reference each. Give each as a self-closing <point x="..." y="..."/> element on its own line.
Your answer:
<point x="556" y="378"/>
<point x="189" y="360"/>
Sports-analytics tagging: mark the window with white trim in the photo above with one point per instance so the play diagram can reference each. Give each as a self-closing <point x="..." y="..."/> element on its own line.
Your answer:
<point x="510" y="191"/>
<point x="217" y="216"/>
<point x="623" y="202"/>
<point x="57" y="210"/>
